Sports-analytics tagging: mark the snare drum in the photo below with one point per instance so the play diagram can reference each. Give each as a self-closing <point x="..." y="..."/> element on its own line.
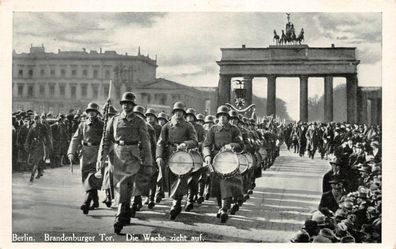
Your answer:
<point x="181" y="163"/>
<point x="243" y="163"/>
<point x="249" y="158"/>
<point x="226" y="163"/>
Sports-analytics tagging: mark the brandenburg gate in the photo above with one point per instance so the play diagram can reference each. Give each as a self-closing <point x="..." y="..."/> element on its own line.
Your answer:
<point x="299" y="61"/>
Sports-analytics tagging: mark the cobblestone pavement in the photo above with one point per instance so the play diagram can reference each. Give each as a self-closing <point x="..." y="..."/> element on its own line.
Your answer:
<point x="284" y="197"/>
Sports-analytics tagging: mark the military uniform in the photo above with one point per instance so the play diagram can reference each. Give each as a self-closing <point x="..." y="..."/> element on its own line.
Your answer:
<point x="221" y="188"/>
<point x="131" y="152"/>
<point x="198" y="177"/>
<point x="35" y="143"/>
<point x="60" y="140"/>
<point x="146" y="184"/>
<point x="174" y="133"/>
<point x="85" y="142"/>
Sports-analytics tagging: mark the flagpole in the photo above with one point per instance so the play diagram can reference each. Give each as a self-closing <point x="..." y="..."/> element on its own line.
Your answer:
<point x="105" y="120"/>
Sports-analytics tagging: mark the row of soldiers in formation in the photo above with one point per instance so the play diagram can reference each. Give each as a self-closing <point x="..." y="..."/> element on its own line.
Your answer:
<point x="129" y="158"/>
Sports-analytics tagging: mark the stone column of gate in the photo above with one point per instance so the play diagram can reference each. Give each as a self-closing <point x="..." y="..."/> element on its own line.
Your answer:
<point x="224" y="90"/>
<point x="248" y="80"/>
<point x="328" y="97"/>
<point x="304" y="98"/>
<point x="351" y="93"/>
<point x="374" y="111"/>
<point x="271" y="95"/>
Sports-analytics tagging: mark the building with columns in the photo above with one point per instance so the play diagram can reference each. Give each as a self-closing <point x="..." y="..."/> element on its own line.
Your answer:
<point x="58" y="82"/>
<point x="299" y="61"/>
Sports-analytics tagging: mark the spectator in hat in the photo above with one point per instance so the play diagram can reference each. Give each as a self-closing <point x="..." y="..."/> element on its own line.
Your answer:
<point x="300" y="237"/>
<point x="335" y="170"/>
<point x="330" y="199"/>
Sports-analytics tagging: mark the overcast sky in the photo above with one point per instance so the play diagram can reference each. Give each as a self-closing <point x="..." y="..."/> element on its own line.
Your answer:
<point x="188" y="44"/>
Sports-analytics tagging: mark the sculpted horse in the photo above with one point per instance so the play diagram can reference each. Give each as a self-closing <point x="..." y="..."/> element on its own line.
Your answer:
<point x="300" y="36"/>
<point x="276" y="38"/>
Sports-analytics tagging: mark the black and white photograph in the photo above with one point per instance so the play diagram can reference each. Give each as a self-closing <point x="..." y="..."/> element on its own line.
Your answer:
<point x="196" y="126"/>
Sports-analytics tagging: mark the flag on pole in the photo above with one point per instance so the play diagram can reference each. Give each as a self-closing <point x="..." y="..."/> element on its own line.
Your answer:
<point x="112" y="95"/>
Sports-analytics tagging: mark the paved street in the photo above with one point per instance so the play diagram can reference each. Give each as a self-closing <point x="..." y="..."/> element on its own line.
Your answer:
<point x="282" y="200"/>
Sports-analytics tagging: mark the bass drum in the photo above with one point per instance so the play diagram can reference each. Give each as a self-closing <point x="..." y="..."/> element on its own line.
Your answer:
<point x="181" y="163"/>
<point x="226" y="163"/>
<point x="197" y="161"/>
<point x="243" y="163"/>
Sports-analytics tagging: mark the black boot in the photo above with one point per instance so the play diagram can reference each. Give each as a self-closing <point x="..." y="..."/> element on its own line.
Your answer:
<point x="122" y="217"/>
<point x="223" y="216"/>
<point x="234" y="209"/>
<point x="107" y="201"/>
<point x="137" y="202"/>
<point x="175" y="209"/>
<point x="95" y="199"/>
<point x="85" y="206"/>
<point x="158" y="196"/>
<point x="189" y="206"/>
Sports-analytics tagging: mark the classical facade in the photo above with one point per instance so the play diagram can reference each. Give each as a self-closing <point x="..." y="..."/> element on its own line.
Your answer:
<point x="58" y="82"/>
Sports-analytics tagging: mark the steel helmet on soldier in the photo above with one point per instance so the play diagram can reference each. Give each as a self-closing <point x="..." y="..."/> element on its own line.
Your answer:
<point x="222" y="110"/>
<point x="233" y="114"/>
<point x="192" y="112"/>
<point x="179" y="106"/>
<point x="92" y="107"/>
<point x="139" y="110"/>
<point x="200" y="117"/>
<point x="163" y="116"/>
<point x="128" y="97"/>
<point x="151" y="111"/>
<point x="209" y="119"/>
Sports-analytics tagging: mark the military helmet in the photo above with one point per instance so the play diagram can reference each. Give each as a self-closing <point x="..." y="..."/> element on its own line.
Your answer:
<point x="151" y="111"/>
<point x="179" y="106"/>
<point x="92" y="107"/>
<point x="222" y="110"/>
<point x="200" y="117"/>
<point x="191" y="111"/>
<point x="233" y="114"/>
<point x="163" y="116"/>
<point x="139" y="110"/>
<point x="128" y="97"/>
<point x="209" y="119"/>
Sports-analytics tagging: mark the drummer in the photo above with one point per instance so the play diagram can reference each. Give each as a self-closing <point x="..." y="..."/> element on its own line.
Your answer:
<point x="223" y="136"/>
<point x="195" y="176"/>
<point x="177" y="134"/>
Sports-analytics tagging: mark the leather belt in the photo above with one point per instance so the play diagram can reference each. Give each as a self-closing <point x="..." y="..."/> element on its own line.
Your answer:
<point x="122" y="142"/>
<point x="90" y="144"/>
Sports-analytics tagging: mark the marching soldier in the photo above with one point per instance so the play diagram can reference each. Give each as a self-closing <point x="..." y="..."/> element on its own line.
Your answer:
<point x="87" y="139"/>
<point x="200" y="119"/>
<point x="223" y="136"/>
<point x="60" y="141"/>
<point x="199" y="175"/>
<point x="36" y="140"/>
<point x="149" y="188"/>
<point x="131" y="153"/>
<point x="107" y="184"/>
<point x="177" y="134"/>
<point x="162" y="118"/>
